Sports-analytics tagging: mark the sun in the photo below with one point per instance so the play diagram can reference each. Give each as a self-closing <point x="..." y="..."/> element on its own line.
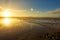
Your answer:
<point x="6" y="13"/>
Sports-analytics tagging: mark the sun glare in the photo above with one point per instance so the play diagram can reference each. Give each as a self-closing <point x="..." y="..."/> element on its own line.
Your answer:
<point x="6" y="13"/>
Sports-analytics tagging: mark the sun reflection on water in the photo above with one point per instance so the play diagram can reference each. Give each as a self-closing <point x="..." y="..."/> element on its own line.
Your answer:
<point x="6" y="21"/>
<point x="10" y="22"/>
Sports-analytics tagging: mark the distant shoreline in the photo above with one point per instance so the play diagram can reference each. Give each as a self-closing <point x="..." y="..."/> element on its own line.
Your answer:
<point x="29" y="17"/>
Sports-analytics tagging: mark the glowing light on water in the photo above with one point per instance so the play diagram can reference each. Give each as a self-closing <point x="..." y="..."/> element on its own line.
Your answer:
<point x="6" y="21"/>
<point x="10" y="22"/>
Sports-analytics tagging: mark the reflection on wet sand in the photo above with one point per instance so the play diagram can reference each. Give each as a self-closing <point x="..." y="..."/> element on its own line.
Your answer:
<point x="10" y="22"/>
<point x="6" y="21"/>
<point x="28" y="29"/>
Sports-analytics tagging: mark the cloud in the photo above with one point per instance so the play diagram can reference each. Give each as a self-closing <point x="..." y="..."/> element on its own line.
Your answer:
<point x="32" y="9"/>
<point x="57" y="11"/>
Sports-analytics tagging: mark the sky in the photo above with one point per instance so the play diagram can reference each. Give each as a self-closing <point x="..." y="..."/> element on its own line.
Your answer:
<point x="35" y="8"/>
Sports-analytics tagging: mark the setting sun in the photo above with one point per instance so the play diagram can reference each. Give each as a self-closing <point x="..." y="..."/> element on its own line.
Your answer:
<point x="6" y="13"/>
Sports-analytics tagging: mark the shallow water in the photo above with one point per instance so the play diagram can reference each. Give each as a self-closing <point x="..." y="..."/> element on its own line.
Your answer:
<point x="27" y="29"/>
